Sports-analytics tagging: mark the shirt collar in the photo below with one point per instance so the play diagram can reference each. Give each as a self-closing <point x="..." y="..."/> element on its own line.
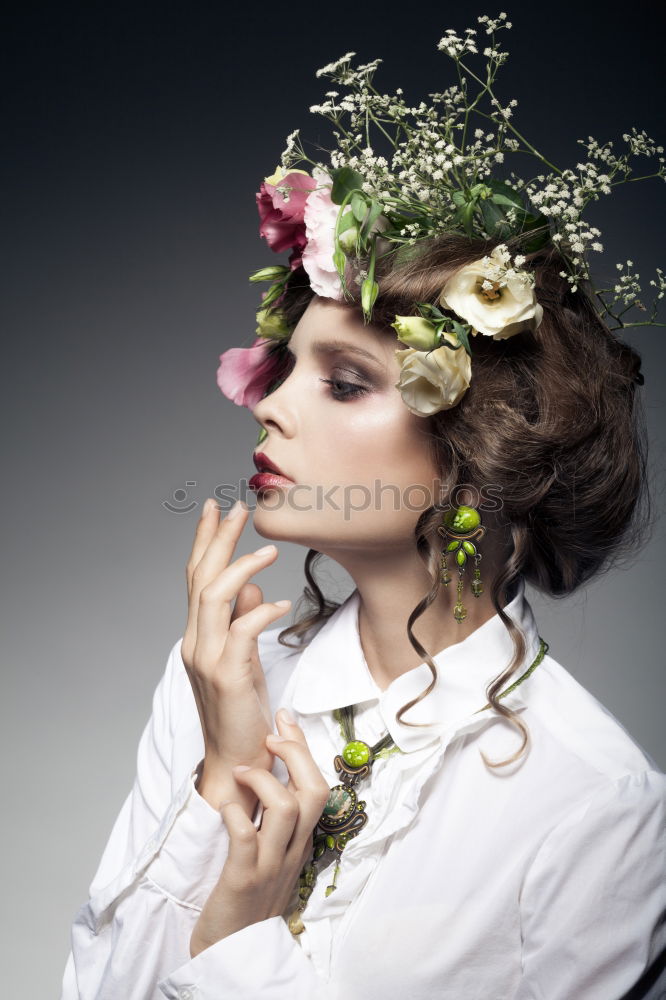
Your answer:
<point x="332" y="672"/>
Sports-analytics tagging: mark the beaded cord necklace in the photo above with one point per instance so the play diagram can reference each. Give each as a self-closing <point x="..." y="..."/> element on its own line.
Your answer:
<point x="344" y="814"/>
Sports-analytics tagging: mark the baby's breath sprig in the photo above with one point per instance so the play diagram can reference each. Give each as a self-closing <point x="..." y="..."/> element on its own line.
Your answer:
<point x="433" y="168"/>
<point x="619" y="299"/>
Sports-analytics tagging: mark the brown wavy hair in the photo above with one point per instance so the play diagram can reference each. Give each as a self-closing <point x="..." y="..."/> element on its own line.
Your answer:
<point x="550" y="418"/>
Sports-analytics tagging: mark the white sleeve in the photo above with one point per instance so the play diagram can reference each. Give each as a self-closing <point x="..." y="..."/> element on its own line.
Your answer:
<point x="260" y="960"/>
<point x="593" y="903"/>
<point x="164" y="854"/>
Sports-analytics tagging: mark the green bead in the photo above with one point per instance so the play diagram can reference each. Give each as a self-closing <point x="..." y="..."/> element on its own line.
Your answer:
<point x="461" y="557"/>
<point x="462" y="519"/>
<point x="469" y="548"/>
<point x="452" y="545"/>
<point x="356" y="753"/>
<point x="319" y="849"/>
<point x="330" y="841"/>
<point x="305" y="892"/>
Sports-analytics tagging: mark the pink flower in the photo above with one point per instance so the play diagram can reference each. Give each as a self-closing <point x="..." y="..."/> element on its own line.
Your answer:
<point x="281" y="219"/>
<point x="317" y="259"/>
<point x="245" y="373"/>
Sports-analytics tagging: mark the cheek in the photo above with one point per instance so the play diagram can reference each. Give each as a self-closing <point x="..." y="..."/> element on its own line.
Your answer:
<point x="377" y="442"/>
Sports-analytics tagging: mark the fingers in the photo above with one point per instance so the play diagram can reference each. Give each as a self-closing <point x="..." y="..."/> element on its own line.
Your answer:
<point x="243" y="844"/>
<point x="305" y="778"/>
<point x="206" y="527"/>
<point x="241" y="642"/>
<point x="290" y="814"/>
<point x="280" y="816"/>
<point x="222" y="533"/>
<point x="218" y="647"/>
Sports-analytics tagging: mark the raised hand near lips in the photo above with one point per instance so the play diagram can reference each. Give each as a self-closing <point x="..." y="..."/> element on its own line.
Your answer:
<point x="220" y="654"/>
<point x="262" y="866"/>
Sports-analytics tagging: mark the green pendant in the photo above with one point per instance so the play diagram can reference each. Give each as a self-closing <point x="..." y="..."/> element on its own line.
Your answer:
<point x="340" y="805"/>
<point x="356" y="753"/>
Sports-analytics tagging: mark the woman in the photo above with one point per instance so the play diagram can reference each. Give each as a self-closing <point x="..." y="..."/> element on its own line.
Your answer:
<point x="490" y="829"/>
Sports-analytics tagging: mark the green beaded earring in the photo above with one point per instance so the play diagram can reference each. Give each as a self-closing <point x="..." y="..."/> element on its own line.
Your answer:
<point x="461" y="524"/>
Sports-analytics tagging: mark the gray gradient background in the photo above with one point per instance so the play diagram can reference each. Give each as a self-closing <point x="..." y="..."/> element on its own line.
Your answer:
<point x="136" y="144"/>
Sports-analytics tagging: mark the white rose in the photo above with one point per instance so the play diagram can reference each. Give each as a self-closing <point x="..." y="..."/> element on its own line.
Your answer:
<point x="434" y="380"/>
<point x="503" y="307"/>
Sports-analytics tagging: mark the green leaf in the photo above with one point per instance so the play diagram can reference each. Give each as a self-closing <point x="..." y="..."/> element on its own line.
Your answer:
<point x="532" y="222"/>
<point x="467" y="215"/>
<point x="461" y="331"/>
<point x="345" y="180"/>
<point x="459" y="199"/>
<point x="373" y="215"/>
<point x="501" y="199"/>
<point x="430" y="311"/>
<point x="500" y="188"/>
<point x="359" y="206"/>
<point x="346" y="222"/>
<point x="494" y="219"/>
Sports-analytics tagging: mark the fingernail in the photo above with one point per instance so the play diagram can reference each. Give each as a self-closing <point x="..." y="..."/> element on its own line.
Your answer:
<point x="278" y="739"/>
<point x="208" y="506"/>
<point x="286" y="716"/>
<point x="282" y="604"/>
<point x="241" y="767"/>
<point x="264" y="551"/>
<point x="235" y="510"/>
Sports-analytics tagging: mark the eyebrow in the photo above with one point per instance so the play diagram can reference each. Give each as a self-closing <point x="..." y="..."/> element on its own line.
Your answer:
<point x="340" y="346"/>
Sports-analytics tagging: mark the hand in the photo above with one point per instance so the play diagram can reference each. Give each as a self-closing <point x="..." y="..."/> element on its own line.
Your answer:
<point x="220" y="655"/>
<point x="262" y="867"/>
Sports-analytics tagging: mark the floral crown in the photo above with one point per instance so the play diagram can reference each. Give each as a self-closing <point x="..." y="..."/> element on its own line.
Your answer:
<point x="439" y="176"/>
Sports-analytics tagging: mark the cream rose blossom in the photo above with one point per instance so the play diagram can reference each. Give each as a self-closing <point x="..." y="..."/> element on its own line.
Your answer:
<point x="433" y="380"/>
<point x="495" y="298"/>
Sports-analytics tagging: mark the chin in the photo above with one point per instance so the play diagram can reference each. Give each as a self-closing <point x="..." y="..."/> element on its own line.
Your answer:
<point x="275" y="520"/>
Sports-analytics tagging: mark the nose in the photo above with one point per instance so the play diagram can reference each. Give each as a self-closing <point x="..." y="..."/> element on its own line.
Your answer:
<point x="274" y="412"/>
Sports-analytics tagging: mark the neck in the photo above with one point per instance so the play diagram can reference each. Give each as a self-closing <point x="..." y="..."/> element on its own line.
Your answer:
<point x="390" y="585"/>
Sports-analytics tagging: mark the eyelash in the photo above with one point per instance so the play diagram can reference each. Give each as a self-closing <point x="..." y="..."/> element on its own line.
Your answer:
<point x="352" y="389"/>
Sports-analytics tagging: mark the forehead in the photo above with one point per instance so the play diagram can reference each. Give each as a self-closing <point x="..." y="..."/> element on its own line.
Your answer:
<point x="326" y="323"/>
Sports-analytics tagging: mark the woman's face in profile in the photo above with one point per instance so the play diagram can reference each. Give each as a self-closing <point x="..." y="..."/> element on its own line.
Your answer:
<point x="358" y="458"/>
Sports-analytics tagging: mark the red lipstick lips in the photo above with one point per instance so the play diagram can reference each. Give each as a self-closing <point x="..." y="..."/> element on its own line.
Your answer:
<point x="268" y="473"/>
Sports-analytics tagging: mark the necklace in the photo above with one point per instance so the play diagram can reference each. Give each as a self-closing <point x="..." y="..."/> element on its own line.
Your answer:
<point x="344" y="814"/>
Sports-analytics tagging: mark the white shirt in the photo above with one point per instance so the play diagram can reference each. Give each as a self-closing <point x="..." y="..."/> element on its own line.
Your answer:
<point x="537" y="881"/>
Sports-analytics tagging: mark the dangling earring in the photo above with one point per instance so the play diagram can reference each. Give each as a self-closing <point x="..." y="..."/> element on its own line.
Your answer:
<point x="461" y="524"/>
